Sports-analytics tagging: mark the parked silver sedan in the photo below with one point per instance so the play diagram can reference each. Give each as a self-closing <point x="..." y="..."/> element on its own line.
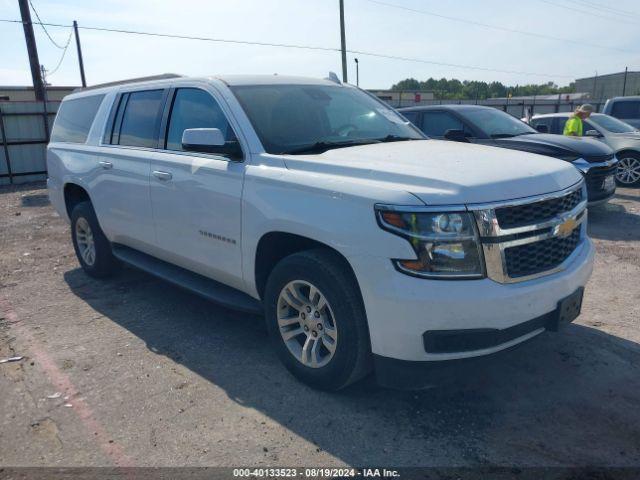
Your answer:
<point x="620" y="136"/>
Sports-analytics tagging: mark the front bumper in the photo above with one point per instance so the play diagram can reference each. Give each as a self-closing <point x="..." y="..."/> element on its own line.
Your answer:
<point x="595" y="175"/>
<point x="400" y="308"/>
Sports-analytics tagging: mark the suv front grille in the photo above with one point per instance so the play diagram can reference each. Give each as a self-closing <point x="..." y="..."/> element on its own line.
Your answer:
<point x="520" y="215"/>
<point x="522" y="241"/>
<point x="536" y="257"/>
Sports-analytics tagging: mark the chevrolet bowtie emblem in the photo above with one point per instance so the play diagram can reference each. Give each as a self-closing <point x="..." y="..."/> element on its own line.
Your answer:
<point x="565" y="228"/>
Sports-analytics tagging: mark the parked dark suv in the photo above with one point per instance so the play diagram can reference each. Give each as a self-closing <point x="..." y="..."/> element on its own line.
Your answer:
<point x="489" y="126"/>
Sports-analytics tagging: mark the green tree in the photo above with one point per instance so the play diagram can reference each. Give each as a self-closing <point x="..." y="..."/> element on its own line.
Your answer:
<point x="455" y="89"/>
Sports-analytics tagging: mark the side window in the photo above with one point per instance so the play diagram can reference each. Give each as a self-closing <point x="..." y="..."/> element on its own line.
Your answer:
<point x="411" y="116"/>
<point x="74" y="119"/>
<point x="141" y="119"/>
<point x="562" y="121"/>
<point x="548" y="121"/>
<point x="586" y="126"/>
<point x="435" y="124"/>
<point x="195" y="108"/>
<point x="626" y="109"/>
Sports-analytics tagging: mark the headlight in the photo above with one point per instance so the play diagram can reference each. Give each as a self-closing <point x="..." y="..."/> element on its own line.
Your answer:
<point x="446" y="243"/>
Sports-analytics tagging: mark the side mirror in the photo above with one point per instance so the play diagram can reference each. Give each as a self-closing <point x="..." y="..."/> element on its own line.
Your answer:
<point x="455" y="135"/>
<point x="209" y="140"/>
<point x="542" y="128"/>
<point x="592" y="133"/>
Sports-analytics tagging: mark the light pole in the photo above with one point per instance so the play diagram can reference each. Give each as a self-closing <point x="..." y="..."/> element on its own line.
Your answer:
<point x="357" y="72"/>
<point x="343" y="43"/>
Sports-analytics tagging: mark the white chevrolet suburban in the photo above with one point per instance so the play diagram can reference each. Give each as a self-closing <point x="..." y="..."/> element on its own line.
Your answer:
<point x="366" y="245"/>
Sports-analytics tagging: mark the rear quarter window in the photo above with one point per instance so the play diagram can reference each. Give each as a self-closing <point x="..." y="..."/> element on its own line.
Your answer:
<point x="74" y="119"/>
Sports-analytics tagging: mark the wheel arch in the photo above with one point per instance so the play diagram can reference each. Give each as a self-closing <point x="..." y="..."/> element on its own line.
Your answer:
<point x="74" y="194"/>
<point x="275" y="245"/>
<point x="626" y="151"/>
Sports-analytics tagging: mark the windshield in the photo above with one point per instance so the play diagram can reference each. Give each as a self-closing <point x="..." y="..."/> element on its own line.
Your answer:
<point x="305" y="118"/>
<point x="497" y="124"/>
<point x="612" y="124"/>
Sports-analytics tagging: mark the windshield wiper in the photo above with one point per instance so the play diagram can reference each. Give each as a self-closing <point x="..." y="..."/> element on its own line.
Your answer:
<point x="396" y="138"/>
<point x="502" y="135"/>
<point x="320" y="147"/>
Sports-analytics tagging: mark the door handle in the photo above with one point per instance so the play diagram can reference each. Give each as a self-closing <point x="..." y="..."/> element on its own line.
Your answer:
<point x="164" y="176"/>
<point x="106" y="165"/>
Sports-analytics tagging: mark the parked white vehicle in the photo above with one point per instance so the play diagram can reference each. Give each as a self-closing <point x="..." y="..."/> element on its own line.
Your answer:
<point x="366" y="245"/>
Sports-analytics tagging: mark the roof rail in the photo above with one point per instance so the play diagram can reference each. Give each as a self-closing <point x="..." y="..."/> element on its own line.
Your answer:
<point x="163" y="76"/>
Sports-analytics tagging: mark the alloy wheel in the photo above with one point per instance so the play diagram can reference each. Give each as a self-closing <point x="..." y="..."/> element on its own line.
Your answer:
<point x="84" y="239"/>
<point x="307" y="324"/>
<point x="628" y="171"/>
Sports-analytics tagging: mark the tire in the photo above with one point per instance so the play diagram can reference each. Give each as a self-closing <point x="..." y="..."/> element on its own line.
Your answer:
<point x="343" y="316"/>
<point x="628" y="173"/>
<point x="85" y="230"/>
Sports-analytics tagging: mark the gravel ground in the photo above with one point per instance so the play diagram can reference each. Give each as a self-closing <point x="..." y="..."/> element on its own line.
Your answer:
<point x="149" y="375"/>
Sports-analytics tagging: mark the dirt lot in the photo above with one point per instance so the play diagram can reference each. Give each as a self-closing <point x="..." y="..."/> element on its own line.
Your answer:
<point x="151" y="375"/>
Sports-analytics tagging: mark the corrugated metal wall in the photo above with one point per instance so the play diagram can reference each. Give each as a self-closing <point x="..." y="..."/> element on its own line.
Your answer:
<point x="24" y="134"/>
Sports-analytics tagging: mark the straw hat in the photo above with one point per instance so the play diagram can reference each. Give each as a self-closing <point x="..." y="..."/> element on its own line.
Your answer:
<point x="586" y="108"/>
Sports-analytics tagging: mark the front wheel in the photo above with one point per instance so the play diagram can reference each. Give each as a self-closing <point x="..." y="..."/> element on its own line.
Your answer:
<point x="316" y="319"/>
<point x="628" y="172"/>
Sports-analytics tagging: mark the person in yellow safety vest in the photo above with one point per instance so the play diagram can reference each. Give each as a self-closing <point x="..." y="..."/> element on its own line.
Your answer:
<point x="573" y="127"/>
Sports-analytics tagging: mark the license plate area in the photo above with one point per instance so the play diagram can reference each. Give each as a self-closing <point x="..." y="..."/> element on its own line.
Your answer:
<point x="609" y="183"/>
<point x="568" y="310"/>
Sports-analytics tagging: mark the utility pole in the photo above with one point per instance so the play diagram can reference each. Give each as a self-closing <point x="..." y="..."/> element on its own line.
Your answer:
<point x="595" y="82"/>
<point x="75" y="31"/>
<point x="32" y="50"/>
<point x="343" y="43"/>
<point x="624" y="84"/>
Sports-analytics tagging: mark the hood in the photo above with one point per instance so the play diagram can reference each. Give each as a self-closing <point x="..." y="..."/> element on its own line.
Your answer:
<point x="557" y="146"/>
<point x="634" y="122"/>
<point x="626" y="136"/>
<point x="441" y="172"/>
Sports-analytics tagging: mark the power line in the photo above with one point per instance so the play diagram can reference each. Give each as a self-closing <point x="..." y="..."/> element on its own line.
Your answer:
<point x="64" y="51"/>
<point x="496" y="27"/>
<point x="617" y="11"/>
<point x="572" y="9"/>
<point x="43" y="27"/>
<point x="305" y="47"/>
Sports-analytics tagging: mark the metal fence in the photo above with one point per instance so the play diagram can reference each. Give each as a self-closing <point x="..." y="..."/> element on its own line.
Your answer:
<point x="24" y="133"/>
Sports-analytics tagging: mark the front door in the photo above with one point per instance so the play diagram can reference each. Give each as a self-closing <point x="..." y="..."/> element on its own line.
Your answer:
<point x="196" y="197"/>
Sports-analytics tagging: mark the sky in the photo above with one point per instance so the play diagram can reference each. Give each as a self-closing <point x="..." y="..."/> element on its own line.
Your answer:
<point x="607" y="36"/>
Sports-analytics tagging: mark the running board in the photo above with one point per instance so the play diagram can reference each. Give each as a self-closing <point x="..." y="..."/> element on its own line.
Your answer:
<point x="198" y="284"/>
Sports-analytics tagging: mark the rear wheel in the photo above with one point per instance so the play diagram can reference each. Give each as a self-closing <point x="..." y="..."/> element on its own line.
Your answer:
<point x="628" y="172"/>
<point x="316" y="319"/>
<point x="92" y="247"/>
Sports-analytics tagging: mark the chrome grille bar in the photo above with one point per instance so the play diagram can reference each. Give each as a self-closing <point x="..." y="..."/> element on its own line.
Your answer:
<point x="495" y="240"/>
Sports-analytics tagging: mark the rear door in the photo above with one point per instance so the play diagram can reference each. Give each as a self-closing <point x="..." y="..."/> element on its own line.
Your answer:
<point x="121" y="190"/>
<point x="196" y="197"/>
